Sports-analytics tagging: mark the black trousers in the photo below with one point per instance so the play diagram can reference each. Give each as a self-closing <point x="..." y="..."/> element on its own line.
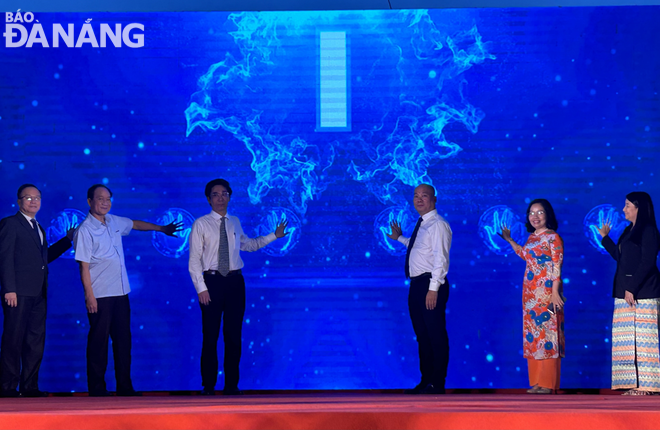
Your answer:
<point x="227" y="306"/>
<point x="431" y="330"/>
<point x="23" y="341"/>
<point x="112" y="320"/>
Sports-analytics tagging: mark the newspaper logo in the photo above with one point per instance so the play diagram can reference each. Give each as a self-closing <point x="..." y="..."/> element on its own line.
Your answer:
<point x="17" y="34"/>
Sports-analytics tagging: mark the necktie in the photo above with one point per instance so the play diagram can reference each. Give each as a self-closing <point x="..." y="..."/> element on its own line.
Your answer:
<point x="410" y="246"/>
<point x="35" y="231"/>
<point x="223" y="250"/>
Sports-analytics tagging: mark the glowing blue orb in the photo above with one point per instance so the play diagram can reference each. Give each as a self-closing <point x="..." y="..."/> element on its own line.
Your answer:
<point x="490" y="224"/>
<point x="596" y="217"/>
<point x="59" y="225"/>
<point x="269" y="223"/>
<point x="173" y="247"/>
<point x="406" y="219"/>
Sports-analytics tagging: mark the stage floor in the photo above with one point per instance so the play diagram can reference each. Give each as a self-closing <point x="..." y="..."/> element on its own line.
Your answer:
<point x="334" y="411"/>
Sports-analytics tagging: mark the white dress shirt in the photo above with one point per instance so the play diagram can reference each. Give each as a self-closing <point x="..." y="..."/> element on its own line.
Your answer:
<point x="205" y="242"/>
<point x="41" y="235"/>
<point x="430" y="253"/>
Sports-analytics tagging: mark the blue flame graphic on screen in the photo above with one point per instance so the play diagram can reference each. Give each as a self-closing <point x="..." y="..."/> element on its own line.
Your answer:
<point x="260" y="93"/>
<point x="402" y="215"/>
<point x="417" y="141"/>
<point x="490" y="226"/>
<point x="595" y="219"/>
<point x="173" y="247"/>
<point x="59" y="225"/>
<point x="268" y="225"/>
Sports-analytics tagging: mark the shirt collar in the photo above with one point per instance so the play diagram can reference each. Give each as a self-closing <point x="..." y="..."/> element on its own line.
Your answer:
<point x="28" y="218"/>
<point x="216" y="216"/>
<point x="429" y="215"/>
<point x="95" y="222"/>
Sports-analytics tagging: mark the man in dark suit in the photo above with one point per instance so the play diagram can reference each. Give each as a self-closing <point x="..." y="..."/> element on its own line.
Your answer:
<point x="24" y="258"/>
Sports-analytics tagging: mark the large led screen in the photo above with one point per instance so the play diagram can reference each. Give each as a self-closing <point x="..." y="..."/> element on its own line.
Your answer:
<point x="330" y="119"/>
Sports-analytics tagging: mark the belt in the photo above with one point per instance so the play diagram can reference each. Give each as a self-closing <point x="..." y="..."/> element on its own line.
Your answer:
<point x="426" y="274"/>
<point x="215" y="272"/>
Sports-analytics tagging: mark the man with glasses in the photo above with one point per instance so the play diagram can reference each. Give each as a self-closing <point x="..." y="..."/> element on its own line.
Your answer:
<point x="215" y="267"/>
<point x="100" y="254"/>
<point x="24" y="259"/>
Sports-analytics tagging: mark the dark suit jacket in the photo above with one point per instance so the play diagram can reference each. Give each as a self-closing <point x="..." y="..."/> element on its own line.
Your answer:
<point x="23" y="261"/>
<point x="636" y="269"/>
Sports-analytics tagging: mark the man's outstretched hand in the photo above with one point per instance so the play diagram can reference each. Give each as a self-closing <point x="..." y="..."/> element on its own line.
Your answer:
<point x="171" y="228"/>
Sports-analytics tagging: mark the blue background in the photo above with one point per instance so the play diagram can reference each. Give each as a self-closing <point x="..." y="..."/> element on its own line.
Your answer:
<point x="552" y="103"/>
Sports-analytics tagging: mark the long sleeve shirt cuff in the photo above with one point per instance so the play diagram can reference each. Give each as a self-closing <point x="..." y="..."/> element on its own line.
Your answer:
<point x="200" y="286"/>
<point x="434" y="285"/>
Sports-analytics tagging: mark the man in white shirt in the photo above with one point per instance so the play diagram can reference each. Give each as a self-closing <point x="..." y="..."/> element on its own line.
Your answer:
<point x="215" y="266"/>
<point x="100" y="254"/>
<point x="427" y="264"/>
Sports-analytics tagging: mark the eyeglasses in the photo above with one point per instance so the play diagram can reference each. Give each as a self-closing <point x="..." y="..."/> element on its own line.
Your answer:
<point x="223" y="194"/>
<point x="31" y="198"/>
<point x="103" y="200"/>
<point x="539" y="213"/>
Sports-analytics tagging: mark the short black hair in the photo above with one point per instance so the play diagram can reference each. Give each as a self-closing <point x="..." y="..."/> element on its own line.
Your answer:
<point x="550" y="218"/>
<point x="213" y="183"/>
<point x="23" y="187"/>
<point x="92" y="189"/>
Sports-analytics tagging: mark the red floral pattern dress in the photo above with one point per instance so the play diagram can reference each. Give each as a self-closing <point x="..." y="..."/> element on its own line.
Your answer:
<point x="543" y="332"/>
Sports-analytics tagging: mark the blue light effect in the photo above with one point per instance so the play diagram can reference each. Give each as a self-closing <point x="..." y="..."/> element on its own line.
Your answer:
<point x="65" y="219"/>
<point x="287" y="161"/>
<point x="333" y="107"/>
<point x="490" y="225"/>
<point x="428" y="101"/>
<point x="404" y="215"/>
<point x="268" y="224"/>
<point x="595" y="219"/>
<point x="173" y="247"/>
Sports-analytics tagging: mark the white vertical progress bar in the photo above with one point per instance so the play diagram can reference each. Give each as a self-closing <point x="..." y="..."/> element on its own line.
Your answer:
<point x="333" y="83"/>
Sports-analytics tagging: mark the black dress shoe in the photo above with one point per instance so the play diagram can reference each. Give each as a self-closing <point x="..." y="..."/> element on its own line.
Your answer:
<point x="207" y="392"/>
<point x="232" y="392"/>
<point x="9" y="393"/>
<point x="132" y="393"/>
<point x="419" y="388"/>
<point x="431" y="389"/>
<point x="104" y="393"/>
<point x="34" y="393"/>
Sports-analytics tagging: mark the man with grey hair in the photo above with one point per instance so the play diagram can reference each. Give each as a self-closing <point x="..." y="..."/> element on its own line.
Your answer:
<point x="427" y="264"/>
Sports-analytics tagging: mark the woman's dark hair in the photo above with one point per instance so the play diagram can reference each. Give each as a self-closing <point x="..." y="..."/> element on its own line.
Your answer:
<point x="550" y="218"/>
<point x="92" y="189"/>
<point x="215" y="182"/>
<point x="645" y="215"/>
